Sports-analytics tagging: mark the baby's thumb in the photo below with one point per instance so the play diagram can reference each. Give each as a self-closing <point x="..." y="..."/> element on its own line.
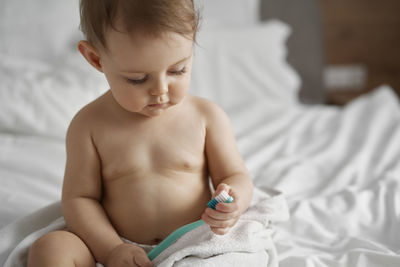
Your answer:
<point x="143" y="261"/>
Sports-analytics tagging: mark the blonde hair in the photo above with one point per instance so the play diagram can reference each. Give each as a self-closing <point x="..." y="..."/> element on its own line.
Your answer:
<point x="147" y="16"/>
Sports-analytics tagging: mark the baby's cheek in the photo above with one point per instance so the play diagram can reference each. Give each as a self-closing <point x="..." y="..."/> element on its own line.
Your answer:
<point x="180" y="89"/>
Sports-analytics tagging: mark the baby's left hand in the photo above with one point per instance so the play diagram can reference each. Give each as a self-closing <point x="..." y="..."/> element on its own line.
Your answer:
<point x="225" y="215"/>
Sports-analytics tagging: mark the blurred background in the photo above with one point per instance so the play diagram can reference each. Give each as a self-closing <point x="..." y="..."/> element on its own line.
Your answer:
<point x="352" y="45"/>
<point x="341" y="48"/>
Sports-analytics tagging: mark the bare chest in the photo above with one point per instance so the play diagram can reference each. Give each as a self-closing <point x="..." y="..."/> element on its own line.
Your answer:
<point x="158" y="150"/>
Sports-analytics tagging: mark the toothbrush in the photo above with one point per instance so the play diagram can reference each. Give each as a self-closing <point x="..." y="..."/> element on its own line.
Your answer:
<point x="171" y="238"/>
<point x="222" y="197"/>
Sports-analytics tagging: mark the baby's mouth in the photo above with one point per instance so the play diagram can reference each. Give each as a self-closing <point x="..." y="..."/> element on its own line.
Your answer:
<point x="160" y="105"/>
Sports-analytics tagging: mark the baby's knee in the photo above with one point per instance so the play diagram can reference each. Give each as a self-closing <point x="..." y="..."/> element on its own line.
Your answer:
<point x="44" y="248"/>
<point x="58" y="246"/>
<point x="50" y="242"/>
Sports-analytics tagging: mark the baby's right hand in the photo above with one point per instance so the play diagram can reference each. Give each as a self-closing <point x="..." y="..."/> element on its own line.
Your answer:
<point x="128" y="255"/>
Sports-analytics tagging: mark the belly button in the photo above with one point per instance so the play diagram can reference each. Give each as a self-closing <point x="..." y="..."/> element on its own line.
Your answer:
<point x="157" y="241"/>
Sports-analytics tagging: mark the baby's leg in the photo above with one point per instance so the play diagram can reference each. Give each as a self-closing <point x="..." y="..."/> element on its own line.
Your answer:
<point x="60" y="248"/>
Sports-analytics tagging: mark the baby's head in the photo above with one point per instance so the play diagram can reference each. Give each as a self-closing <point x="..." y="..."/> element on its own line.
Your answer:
<point x="150" y="17"/>
<point x="144" y="48"/>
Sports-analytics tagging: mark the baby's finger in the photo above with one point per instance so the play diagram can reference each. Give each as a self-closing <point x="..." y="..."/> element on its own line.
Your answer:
<point x="221" y="224"/>
<point x="217" y="215"/>
<point x="227" y="207"/>
<point x="220" y="231"/>
<point x="218" y="223"/>
<point x="142" y="260"/>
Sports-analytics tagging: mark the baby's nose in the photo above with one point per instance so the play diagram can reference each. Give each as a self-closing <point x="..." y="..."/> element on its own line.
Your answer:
<point x="159" y="88"/>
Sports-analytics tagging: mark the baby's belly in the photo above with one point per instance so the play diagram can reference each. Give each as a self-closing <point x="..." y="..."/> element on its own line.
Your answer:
<point x="147" y="209"/>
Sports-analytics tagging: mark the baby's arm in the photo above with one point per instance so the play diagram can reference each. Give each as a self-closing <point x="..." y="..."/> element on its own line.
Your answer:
<point x="81" y="196"/>
<point x="227" y="170"/>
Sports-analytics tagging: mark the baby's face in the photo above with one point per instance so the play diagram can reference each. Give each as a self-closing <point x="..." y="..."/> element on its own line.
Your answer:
<point x="147" y="75"/>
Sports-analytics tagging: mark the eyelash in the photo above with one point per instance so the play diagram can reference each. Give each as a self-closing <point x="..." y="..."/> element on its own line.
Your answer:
<point x="179" y="72"/>
<point x="141" y="81"/>
<point x="135" y="82"/>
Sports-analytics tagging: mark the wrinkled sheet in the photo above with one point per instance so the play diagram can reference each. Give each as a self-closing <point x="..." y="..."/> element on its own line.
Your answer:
<point x="31" y="171"/>
<point x="339" y="169"/>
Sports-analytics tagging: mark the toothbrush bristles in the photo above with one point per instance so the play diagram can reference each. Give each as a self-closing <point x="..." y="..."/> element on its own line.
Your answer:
<point x="222" y="197"/>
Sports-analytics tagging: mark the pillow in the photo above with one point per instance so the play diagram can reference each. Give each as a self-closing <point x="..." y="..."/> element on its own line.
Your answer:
<point x="235" y="67"/>
<point x="231" y="13"/>
<point x="45" y="29"/>
<point x="40" y="99"/>
<point x="40" y="29"/>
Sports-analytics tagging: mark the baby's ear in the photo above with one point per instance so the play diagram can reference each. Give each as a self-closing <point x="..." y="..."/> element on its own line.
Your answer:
<point x="91" y="54"/>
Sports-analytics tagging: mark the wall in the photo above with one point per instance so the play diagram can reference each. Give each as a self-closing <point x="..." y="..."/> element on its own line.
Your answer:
<point x="365" y="33"/>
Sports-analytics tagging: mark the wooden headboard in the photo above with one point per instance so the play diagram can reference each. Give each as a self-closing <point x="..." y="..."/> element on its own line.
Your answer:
<point x="305" y="44"/>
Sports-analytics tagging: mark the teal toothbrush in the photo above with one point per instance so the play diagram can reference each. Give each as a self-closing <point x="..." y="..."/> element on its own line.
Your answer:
<point x="222" y="197"/>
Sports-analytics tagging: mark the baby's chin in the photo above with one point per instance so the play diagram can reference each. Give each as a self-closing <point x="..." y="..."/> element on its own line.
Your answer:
<point x="154" y="110"/>
<point x="153" y="113"/>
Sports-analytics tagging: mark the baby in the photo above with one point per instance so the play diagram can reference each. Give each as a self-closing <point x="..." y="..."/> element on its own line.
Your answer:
<point x="139" y="157"/>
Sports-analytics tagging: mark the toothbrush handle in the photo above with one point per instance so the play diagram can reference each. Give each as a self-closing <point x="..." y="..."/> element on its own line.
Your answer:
<point x="172" y="238"/>
<point x="181" y="231"/>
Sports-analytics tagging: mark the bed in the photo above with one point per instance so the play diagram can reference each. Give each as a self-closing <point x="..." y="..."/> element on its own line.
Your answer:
<point x="338" y="167"/>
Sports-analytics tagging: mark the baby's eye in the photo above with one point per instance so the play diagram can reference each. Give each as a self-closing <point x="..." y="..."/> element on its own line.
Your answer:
<point x="178" y="72"/>
<point x="137" y="81"/>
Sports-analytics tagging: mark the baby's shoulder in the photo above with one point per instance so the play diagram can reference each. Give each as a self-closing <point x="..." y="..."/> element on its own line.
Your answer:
<point x="87" y="116"/>
<point x="204" y="106"/>
<point x="207" y="109"/>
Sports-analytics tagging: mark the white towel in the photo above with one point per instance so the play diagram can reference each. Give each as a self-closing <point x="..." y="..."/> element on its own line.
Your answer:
<point x="248" y="243"/>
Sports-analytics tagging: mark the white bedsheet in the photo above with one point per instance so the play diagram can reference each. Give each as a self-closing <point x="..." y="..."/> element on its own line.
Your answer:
<point x="339" y="169"/>
<point x="31" y="170"/>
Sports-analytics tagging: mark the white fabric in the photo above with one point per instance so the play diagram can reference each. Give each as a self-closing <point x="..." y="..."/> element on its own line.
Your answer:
<point x="19" y="235"/>
<point x="250" y="241"/>
<point x="40" y="99"/>
<point x="341" y="171"/>
<point x="31" y="171"/>
<point x="235" y="66"/>
<point x="228" y="13"/>
<point x="41" y="29"/>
